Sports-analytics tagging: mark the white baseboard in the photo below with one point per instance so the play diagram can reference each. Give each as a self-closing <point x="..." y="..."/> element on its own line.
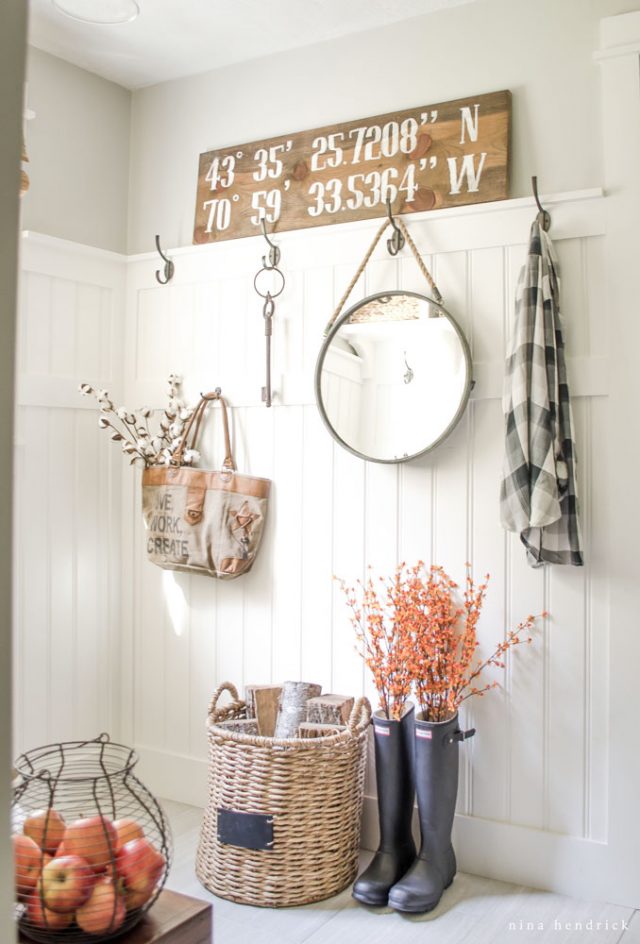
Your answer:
<point x="174" y="776"/>
<point x="526" y="856"/>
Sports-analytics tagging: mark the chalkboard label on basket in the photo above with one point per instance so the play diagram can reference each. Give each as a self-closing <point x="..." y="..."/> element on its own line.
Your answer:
<point x="247" y="830"/>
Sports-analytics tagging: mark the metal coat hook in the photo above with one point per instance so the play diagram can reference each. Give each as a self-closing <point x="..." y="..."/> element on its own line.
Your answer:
<point x="274" y="251"/>
<point x="396" y="242"/>
<point x="408" y="374"/>
<point x="215" y="395"/>
<point x="169" y="267"/>
<point x="546" y="219"/>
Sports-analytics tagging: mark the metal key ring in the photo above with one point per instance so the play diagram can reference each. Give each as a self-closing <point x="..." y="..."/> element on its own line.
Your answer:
<point x="269" y="307"/>
<point x="270" y="294"/>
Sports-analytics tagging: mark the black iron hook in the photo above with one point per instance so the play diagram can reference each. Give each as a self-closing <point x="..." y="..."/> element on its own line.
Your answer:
<point x="396" y="242"/>
<point x="169" y="267"/>
<point x="274" y="251"/>
<point x="546" y="219"/>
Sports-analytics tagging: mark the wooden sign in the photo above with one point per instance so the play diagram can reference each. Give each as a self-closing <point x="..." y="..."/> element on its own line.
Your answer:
<point x="424" y="158"/>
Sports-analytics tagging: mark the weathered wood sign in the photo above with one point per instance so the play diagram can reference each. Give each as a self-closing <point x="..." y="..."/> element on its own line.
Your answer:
<point x="425" y="158"/>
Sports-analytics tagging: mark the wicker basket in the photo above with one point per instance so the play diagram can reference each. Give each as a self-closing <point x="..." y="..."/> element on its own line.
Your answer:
<point x="282" y="824"/>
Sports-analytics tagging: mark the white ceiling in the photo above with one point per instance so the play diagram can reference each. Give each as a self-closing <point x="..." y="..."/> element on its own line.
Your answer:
<point x="174" y="38"/>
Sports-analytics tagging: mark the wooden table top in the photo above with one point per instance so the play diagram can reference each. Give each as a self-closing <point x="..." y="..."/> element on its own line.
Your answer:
<point x="174" y="919"/>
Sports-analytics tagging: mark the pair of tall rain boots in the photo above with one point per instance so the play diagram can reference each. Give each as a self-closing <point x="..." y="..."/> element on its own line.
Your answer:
<point x="413" y="757"/>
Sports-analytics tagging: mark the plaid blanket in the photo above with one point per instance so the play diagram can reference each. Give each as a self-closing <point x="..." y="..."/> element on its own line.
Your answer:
<point x="538" y="495"/>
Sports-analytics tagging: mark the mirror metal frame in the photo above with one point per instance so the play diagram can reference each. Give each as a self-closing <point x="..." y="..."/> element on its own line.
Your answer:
<point x="469" y="383"/>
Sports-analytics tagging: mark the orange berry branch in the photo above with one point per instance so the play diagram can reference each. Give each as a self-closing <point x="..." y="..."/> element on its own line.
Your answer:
<point x="415" y="633"/>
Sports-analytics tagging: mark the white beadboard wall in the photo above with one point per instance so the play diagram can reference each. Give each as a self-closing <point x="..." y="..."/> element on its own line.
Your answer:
<point x="107" y="639"/>
<point x="537" y="758"/>
<point x="67" y="495"/>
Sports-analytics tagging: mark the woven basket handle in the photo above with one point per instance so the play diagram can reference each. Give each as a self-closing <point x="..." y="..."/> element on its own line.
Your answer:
<point x="360" y="716"/>
<point x="225" y="687"/>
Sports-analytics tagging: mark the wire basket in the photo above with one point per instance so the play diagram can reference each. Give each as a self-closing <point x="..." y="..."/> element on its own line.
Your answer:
<point x="282" y="823"/>
<point x="92" y="847"/>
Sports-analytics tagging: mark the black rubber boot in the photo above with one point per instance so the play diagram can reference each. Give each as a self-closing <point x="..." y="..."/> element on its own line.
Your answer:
<point x="436" y="771"/>
<point x="394" y="746"/>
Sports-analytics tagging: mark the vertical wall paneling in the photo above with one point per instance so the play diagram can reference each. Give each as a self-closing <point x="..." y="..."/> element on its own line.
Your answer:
<point x="332" y="514"/>
<point x="316" y="585"/>
<point x="67" y="500"/>
<point x="258" y="601"/>
<point x="597" y="628"/>
<point x="32" y="580"/>
<point x="149" y="647"/>
<point x="61" y="538"/>
<point x="286" y="506"/>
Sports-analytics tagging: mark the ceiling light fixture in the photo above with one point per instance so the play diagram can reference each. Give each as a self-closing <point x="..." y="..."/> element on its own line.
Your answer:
<point x="99" y="12"/>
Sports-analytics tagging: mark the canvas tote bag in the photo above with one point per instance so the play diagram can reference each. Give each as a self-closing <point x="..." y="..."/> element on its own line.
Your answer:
<point x="203" y="522"/>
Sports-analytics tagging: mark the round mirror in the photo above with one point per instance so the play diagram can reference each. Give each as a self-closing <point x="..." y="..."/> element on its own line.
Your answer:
<point x="393" y="376"/>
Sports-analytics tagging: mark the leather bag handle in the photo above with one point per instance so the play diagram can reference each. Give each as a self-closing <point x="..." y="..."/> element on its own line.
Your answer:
<point x="193" y="428"/>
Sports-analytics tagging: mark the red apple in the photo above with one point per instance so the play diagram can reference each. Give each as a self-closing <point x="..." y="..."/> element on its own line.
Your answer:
<point x="28" y="858"/>
<point x="67" y="882"/>
<point x="46" y="828"/>
<point x="41" y="917"/>
<point x="140" y="866"/>
<point x="136" y="899"/>
<point x="126" y="830"/>
<point x="104" y="911"/>
<point x="93" y="839"/>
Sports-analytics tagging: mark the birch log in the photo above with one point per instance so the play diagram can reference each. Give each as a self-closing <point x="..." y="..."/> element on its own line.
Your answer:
<point x="293" y="706"/>
<point x="330" y="709"/>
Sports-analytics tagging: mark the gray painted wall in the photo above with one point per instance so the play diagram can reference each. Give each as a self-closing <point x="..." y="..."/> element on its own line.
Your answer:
<point x="12" y="40"/>
<point x="540" y="49"/>
<point x="78" y="146"/>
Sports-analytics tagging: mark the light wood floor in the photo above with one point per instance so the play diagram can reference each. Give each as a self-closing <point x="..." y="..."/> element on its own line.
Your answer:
<point x="473" y="911"/>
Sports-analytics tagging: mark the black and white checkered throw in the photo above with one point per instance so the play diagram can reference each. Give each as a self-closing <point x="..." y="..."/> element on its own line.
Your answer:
<point x="538" y="497"/>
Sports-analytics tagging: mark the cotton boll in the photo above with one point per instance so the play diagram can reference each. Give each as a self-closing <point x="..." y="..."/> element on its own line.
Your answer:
<point x="191" y="457"/>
